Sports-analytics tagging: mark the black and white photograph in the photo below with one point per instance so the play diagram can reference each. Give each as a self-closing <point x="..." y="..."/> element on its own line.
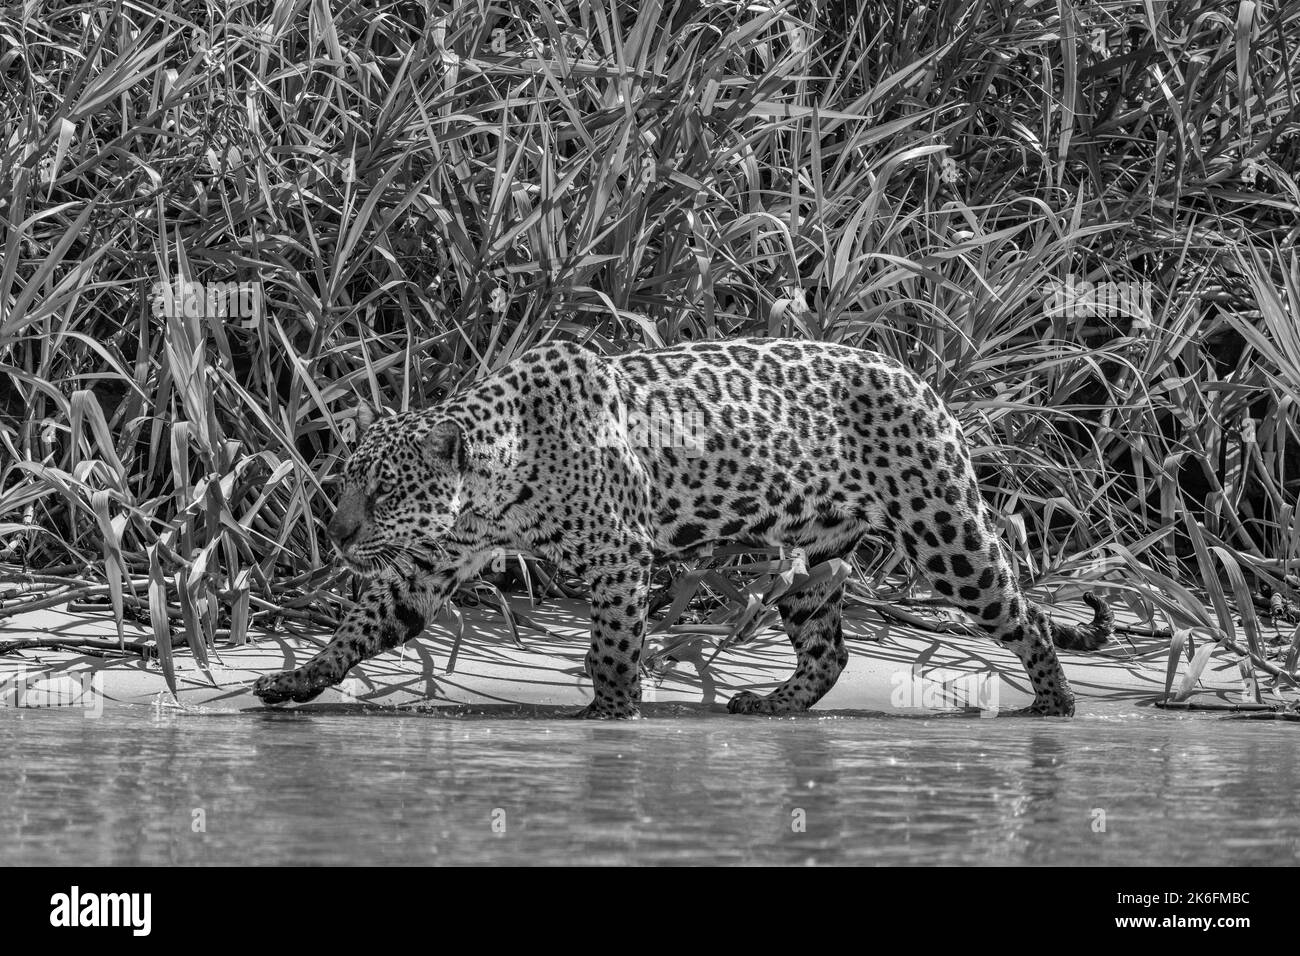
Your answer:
<point x="582" y="433"/>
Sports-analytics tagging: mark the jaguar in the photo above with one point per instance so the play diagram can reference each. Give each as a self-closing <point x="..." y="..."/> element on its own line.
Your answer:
<point x="605" y="464"/>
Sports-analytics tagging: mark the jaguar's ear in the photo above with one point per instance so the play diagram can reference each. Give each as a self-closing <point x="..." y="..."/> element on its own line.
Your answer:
<point x="366" y="415"/>
<point x="445" y="443"/>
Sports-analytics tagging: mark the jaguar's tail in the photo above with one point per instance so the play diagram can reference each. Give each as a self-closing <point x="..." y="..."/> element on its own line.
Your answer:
<point x="1086" y="637"/>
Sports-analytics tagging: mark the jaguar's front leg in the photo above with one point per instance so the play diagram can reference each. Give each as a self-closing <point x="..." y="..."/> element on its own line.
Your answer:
<point x="618" y="608"/>
<point x="390" y="612"/>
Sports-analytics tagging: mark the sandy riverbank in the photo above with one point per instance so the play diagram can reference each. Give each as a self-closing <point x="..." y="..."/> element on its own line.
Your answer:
<point x="891" y="668"/>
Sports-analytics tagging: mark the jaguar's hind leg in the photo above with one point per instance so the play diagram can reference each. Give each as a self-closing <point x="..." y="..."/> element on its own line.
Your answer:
<point x="953" y="542"/>
<point x="1029" y="637"/>
<point x="812" y="621"/>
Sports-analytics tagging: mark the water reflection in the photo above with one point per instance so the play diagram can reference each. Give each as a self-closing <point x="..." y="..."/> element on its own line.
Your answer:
<point x="340" y="787"/>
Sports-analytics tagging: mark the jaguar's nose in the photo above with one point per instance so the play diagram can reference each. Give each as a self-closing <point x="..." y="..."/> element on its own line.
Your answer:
<point x="342" y="531"/>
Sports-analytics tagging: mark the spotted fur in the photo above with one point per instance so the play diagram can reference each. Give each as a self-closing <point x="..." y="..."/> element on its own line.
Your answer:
<point x="604" y="464"/>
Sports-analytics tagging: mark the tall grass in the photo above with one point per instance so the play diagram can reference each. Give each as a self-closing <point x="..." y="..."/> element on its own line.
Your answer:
<point x="421" y="191"/>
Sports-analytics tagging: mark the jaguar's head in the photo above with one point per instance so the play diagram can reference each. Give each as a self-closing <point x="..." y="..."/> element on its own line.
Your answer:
<point x="401" y="490"/>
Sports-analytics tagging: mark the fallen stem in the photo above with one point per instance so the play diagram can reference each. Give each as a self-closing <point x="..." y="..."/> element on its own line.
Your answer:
<point x="85" y="644"/>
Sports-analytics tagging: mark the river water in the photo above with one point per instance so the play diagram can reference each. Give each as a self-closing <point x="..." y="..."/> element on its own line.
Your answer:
<point x="339" y="785"/>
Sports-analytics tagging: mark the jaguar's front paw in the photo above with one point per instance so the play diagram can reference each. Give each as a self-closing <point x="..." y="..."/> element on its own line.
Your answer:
<point x="599" y="711"/>
<point x="1046" y="707"/>
<point x="747" y="702"/>
<point x="298" y="686"/>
